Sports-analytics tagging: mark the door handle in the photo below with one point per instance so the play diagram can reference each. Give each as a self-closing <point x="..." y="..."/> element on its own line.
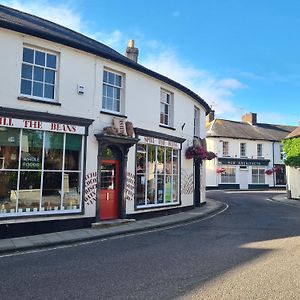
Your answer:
<point x="107" y="196"/>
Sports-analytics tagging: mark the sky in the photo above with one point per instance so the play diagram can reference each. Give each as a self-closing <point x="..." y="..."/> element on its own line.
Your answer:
<point x="238" y="55"/>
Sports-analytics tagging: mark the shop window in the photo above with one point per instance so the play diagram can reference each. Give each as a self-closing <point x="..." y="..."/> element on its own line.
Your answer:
<point x="157" y="174"/>
<point x="45" y="178"/>
<point x="112" y="91"/>
<point x="39" y="74"/>
<point x="166" y="108"/>
<point x="258" y="175"/>
<point x="228" y="176"/>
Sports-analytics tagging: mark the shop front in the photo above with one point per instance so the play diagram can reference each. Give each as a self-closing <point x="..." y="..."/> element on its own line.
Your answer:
<point x="239" y="173"/>
<point x="42" y="164"/>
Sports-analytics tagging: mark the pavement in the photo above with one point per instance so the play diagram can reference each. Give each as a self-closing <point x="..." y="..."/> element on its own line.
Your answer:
<point x="284" y="200"/>
<point x="108" y="229"/>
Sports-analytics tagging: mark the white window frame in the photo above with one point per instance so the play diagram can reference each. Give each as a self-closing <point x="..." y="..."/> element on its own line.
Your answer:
<point x="259" y="150"/>
<point x="225" y="148"/>
<point x="166" y="101"/>
<point x="243" y="150"/>
<point x="115" y="87"/>
<point x="258" y="178"/>
<point x="228" y="176"/>
<point x="45" y="67"/>
<point x="196" y="121"/>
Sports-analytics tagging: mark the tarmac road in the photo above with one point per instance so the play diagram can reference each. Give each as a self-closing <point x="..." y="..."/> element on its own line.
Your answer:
<point x="250" y="251"/>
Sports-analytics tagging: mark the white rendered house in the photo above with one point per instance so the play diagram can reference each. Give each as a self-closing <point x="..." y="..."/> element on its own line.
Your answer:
<point x="87" y="134"/>
<point x="249" y="153"/>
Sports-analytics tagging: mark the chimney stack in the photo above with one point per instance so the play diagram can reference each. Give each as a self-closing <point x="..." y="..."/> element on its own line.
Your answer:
<point x="211" y="116"/>
<point x="250" y="118"/>
<point x="132" y="52"/>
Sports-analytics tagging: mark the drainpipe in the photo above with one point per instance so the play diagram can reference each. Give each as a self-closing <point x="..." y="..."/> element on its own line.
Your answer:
<point x="273" y="150"/>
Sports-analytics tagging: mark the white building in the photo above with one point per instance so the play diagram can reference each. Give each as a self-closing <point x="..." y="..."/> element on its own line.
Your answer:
<point x="293" y="173"/>
<point x="249" y="153"/>
<point x="68" y="154"/>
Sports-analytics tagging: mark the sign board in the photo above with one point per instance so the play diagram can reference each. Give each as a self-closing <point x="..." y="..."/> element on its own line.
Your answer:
<point x="243" y="161"/>
<point x="158" y="142"/>
<point x="41" y="125"/>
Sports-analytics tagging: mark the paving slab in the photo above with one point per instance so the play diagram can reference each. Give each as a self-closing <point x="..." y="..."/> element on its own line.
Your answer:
<point x="110" y="229"/>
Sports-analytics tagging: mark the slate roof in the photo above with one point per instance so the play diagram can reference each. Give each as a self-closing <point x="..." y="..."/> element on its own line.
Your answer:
<point x="294" y="134"/>
<point x="241" y="130"/>
<point x="32" y="25"/>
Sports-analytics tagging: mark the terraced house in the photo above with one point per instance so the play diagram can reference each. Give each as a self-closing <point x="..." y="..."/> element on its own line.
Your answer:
<point x="88" y="134"/>
<point x="249" y="153"/>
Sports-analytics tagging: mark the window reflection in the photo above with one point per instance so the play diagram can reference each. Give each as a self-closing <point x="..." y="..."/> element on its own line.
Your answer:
<point x="54" y="143"/>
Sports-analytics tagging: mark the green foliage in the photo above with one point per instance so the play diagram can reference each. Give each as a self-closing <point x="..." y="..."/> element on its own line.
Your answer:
<point x="291" y="148"/>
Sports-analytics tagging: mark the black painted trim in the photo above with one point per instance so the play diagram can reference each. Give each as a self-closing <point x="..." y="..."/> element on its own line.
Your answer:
<point x="243" y="161"/>
<point x="258" y="186"/>
<point x="43" y="116"/>
<point x="146" y="132"/>
<point x="167" y="127"/>
<point x="232" y="186"/>
<point x="29" y="24"/>
<point x="12" y="230"/>
<point x="113" y="114"/>
<point x="39" y="101"/>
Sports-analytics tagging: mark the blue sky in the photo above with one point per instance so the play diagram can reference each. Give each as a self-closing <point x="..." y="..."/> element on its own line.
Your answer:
<point x="238" y="55"/>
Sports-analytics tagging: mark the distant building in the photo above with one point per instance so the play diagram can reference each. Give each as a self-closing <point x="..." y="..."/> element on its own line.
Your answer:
<point x="293" y="173"/>
<point x="249" y="153"/>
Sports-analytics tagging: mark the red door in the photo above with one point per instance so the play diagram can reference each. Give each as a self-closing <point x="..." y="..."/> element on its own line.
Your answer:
<point x="109" y="185"/>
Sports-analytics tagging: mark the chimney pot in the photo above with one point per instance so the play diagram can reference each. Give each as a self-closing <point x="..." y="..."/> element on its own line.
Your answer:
<point x="211" y="116"/>
<point x="132" y="52"/>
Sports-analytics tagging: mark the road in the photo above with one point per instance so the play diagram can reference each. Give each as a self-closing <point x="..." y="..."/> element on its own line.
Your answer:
<point x="251" y="251"/>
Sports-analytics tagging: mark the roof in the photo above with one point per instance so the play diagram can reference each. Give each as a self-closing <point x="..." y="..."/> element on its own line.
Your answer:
<point x="32" y="25"/>
<point x="295" y="133"/>
<point x="242" y="130"/>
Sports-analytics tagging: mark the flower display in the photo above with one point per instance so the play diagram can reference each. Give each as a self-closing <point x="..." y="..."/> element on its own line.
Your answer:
<point x="269" y="171"/>
<point x="220" y="170"/>
<point x="199" y="153"/>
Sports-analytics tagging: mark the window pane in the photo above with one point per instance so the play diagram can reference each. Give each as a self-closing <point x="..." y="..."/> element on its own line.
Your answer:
<point x="49" y="91"/>
<point x="49" y="76"/>
<point x="141" y="162"/>
<point x="28" y="55"/>
<point x="25" y="87"/>
<point x="116" y="106"/>
<point x="38" y="74"/>
<point x="73" y="152"/>
<point x="29" y="191"/>
<point x="168" y="191"/>
<point x="37" y="89"/>
<point x="71" y="198"/>
<point x="26" y="71"/>
<point x="51" y="61"/>
<point x="9" y="148"/>
<point x="160" y="160"/>
<point x="140" y="190"/>
<point x="110" y="91"/>
<point x="151" y="181"/>
<point x="104" y="90"/>
<point x="168" y="161"/>
<point x="111" y="78"/>
<point x="118" y="80"/>
<point x="109" y="104"/>
<point x="117" y="93"/>
<point x="51" y="190"/>
<point x="105" y="76"/>
<point x="160" y="189"/>
<point x="39" y="58"/>
<point x="104" y="102"/>
<point x="31" y="149"/>
<point x="53" y="151"/>
<point x="175" y="189"/>
<point x="8" y="191"/>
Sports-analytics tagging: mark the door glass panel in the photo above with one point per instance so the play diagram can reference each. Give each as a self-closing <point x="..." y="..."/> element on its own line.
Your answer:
<point x="108" y="176"/>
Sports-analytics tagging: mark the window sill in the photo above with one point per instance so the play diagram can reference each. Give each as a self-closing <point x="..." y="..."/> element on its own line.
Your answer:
<point x="167" y="127"/>
<point x="112" y="114"/>
<point x="38" y="101"/>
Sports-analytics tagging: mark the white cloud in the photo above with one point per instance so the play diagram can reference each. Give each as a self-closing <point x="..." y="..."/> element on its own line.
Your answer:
<point x="66" y="15"/>
<point x="216" y="91"/>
